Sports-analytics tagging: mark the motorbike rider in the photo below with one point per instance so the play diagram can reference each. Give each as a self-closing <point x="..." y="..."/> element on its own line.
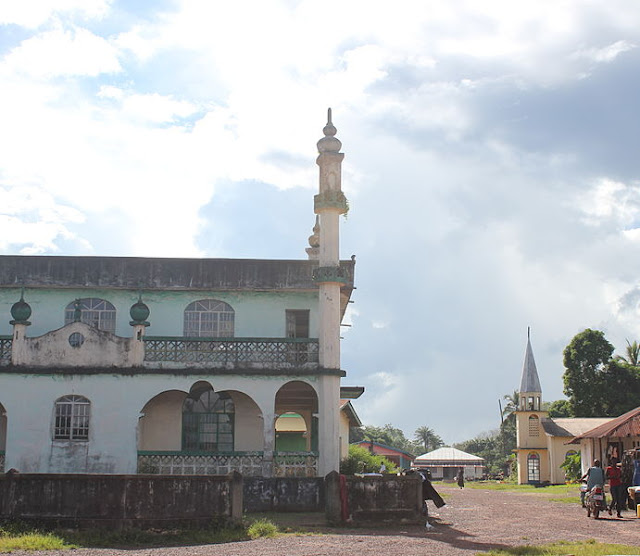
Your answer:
<point x="594" y="476"/>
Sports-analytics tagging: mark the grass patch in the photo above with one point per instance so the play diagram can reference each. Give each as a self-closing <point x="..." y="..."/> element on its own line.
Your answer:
<point x="16" y="536"/>
<point x="586" y="548"/>
<point x="32" y="541"/>
<point x="262" y="528"/>
<point x="557" y="490"/>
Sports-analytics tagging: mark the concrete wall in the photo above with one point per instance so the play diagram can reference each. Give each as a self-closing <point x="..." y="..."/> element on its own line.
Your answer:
<point x="257" y="314"/>
<point x="117" y="402"/>
<point x="119" y="500"/>
<point x="388" y="497"/>
<point x="286" y="494"/>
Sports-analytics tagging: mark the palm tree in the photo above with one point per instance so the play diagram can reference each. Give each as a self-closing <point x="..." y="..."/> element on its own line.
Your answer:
<point x="427" y="437"/>
<point x="512" y="403"/>
<point x="633" y="354"/>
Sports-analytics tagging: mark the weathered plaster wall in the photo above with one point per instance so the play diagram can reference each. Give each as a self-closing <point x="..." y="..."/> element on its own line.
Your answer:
<point x="114" y="501"/>
<point x="116" y="405"/>
<point x="161" y="426"/>
<point x="344" y="435"/>
<point x="3" y="428"/>
<point x="257" y="314"/>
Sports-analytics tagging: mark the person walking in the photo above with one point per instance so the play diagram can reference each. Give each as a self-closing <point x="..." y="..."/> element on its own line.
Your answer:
<point x="460" y="477"/>
<point x="614" y="476"/>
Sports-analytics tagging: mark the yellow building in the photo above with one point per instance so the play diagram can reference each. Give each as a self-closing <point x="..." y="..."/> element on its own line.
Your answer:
<point x="542" y="443"/>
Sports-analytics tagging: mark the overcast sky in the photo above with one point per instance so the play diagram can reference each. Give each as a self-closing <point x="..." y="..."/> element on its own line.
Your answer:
<point x="491" y="166"/>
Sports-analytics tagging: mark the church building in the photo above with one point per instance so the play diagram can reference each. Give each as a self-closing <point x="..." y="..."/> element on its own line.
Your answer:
<point x="543" y="443"/>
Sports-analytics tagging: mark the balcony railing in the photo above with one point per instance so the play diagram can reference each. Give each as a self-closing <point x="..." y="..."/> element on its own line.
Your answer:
<point x="233" y="352"/>
<point x="250" y="464"/>
<point x="5" y="349"/>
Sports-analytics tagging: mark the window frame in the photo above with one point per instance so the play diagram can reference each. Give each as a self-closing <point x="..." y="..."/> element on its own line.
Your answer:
<point x="95" y="311"/>
<point x="218" y="318"/>
<point x="208" y="423"/>
<point x="71" y="419"/>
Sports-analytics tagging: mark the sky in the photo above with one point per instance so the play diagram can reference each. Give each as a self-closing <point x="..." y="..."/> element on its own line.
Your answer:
<point x="491" y="166"/>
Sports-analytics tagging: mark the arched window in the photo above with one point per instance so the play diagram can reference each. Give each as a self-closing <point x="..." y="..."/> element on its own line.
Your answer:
<point x="209" y="318"/>
<point x="533" y="467"/>
<point x="208" y="421"/>
<point x="534" y="425"/>
<point x="71" y="419"/>
<point x="94" y="312"/>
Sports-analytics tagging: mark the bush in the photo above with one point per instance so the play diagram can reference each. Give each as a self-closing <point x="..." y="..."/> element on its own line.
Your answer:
<point x="262" y="528"/>
<point x="361" y="460"/>
<point x="572" y="467"/>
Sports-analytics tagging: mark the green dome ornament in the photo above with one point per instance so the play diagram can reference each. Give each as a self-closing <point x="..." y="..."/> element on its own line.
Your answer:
<point x="21" y="311"/>
<point x="139" y="313"/>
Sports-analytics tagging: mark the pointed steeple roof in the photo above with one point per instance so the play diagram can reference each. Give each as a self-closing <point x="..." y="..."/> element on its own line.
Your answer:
<point x="529" y="381"/>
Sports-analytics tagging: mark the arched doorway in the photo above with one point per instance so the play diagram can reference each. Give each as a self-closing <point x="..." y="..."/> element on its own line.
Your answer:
<point x="533" y="468"/>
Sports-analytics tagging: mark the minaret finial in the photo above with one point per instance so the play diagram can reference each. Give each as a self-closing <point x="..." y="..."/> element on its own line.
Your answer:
<point x="528" y="332"/>
<point x="329" y="116"/>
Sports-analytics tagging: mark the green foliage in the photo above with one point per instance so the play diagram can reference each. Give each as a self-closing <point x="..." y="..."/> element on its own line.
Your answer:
<point x="558" y="408"/>
<point x="596" y="384"/>
<point x="427" y="439"/>
<point x="361" y="460"/>
<point x="633" y="354"/>
<point x="262" y="528"/>
<point x="583" y="548"/>
<point x="387" y="435"/>
<point x="571" y="466"/>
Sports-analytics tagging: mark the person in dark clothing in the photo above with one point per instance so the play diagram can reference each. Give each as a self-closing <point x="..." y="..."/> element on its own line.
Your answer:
<point x="460" y="477"/>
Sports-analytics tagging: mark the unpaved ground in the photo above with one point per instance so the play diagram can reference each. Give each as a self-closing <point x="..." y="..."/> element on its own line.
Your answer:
<point x="473" y="521"/>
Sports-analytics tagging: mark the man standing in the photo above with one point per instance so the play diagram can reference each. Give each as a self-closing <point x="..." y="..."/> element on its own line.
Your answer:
<point x="613" y="474"/>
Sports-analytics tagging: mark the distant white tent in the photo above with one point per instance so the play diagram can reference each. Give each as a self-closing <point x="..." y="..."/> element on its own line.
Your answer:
<point x="444" y="463"/>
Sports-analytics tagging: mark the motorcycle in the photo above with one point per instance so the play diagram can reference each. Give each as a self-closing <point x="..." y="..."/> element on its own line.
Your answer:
<point x="595" y="501"/>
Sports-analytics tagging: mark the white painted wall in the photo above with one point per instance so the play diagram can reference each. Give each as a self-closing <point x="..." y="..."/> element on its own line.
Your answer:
<point x="117" y="402"/>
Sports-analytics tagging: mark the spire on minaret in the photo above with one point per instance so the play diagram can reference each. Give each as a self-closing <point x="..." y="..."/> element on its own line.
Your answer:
<point x="314" y="241"/>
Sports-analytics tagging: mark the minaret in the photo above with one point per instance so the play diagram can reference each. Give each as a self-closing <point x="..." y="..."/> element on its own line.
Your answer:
<point x="329" y="204"/>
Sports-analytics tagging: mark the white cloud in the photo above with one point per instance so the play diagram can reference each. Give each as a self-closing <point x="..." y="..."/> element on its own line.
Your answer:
<point x="607" y="53"/>
<point x="62" y="52"/>
<point x="32" y="13"/>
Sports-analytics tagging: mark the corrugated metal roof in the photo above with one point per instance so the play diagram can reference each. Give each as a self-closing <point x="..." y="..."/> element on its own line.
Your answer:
<point x="571" y="426"/>
<point x="625" y="425"/>
<point x="450" y="455"/>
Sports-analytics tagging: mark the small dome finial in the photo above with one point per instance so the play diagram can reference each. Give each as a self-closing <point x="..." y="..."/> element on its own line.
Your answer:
<point x="329" y="143"/>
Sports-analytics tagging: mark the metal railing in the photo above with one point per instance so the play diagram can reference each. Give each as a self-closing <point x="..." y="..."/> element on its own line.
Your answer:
<point x="233" y="352"/>
<point x="250" y="464"/>
<point x="6" y="343"/>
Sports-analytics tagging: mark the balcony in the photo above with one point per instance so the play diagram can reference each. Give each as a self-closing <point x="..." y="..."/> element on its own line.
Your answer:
<point x="250" y="464"/>
<point x="234" y="353"/>
<point x="175" y="352"/>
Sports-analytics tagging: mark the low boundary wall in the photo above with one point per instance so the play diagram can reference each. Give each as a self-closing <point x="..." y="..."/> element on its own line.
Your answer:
<point x="120" y="500"/>
<point x="285" y="494"/>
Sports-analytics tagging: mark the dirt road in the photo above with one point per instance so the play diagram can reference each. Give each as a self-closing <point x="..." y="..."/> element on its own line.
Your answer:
<point x="473" y="521"/>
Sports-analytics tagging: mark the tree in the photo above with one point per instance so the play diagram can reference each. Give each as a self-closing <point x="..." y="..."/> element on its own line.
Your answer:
<point x="387" y="435"/>
<point x="558" y="408"/>
<point x="633" y="354"/>
<point x="585" y="360"/>
<point x="511" y="405"/>
<point x="427" y="438"/>
<point x="596" y="384"/>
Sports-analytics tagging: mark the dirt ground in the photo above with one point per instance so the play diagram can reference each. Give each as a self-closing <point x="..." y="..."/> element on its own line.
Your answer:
<point x="473" y="521"/>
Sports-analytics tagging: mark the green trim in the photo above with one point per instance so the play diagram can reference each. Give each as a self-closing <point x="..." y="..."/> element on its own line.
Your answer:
<point x="194" y="453"/>
<point x="330" y="274"/>
<point x="231" y="340"/>
<point x="332" y="199"/>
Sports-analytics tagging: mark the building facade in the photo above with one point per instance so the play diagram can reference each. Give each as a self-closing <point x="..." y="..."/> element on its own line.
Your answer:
<point x="178" y="366"/>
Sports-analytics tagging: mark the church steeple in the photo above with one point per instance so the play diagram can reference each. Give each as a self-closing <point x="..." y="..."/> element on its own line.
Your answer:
<point x="530" y="389"/>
